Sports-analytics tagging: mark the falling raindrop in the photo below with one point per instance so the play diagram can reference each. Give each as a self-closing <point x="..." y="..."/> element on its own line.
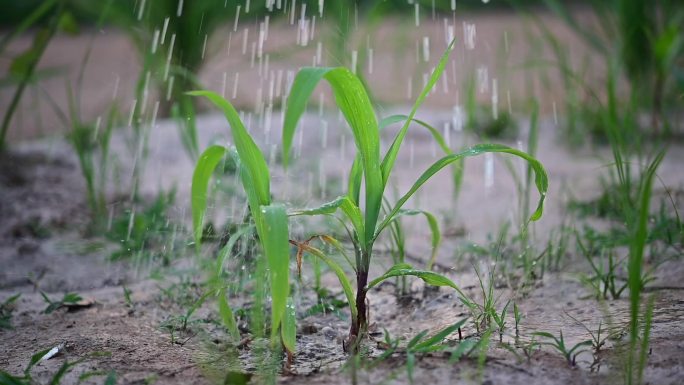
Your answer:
<point x="417" y="14"/>
<point x="141" y="10"/>
<point x="132" y="113"/>
<point x="168" y="56"/>
<point x="482" y="79"/>
<point x="409" y="89"/>
<point x="354" y="58"/>
<point x="155" y="40"/>
<point x="115" y="92"/>
<point x="488" y="172"/>
<point x="237" y="17"/>
<point x="469" y="33"/>
<point x="245" y="35"/>
<point x="204" y="45"/>
<point x="370" y="61"/>
<point x="169" y="88"/>
<point x="426" y="49"/>
<point x="495" y="99"/>
<point x="179" y="11"/>
<point x="555" y="113"/>
<point x="458" y="118"/>
<point x="235" y="85"/>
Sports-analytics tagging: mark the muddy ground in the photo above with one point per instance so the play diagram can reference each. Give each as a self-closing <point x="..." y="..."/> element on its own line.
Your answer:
<point x="45" y="246"/>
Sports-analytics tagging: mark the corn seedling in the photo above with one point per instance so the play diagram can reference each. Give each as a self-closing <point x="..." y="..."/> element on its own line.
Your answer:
<point x="366" y="225"/>
<point x="569" y="353"/>
<point x="270" y="221"/>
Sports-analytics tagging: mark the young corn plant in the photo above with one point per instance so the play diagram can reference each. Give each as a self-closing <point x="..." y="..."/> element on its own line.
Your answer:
<point x="374" y="171"/>
<point x="270" y="220"/>
<point x="366" y="226"/>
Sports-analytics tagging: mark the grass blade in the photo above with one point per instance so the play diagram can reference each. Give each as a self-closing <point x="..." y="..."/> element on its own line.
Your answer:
<point x="440" y="336"/>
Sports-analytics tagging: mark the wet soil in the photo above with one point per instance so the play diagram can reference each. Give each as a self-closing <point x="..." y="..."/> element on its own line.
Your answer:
<point x="44" y="249"/>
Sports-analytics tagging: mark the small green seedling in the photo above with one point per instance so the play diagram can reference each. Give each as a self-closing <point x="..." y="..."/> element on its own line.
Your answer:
<point x="422" y="345"/>
<point x="6" y="309"/>
<point x="517" y="316"/>
<point x="67" y="300"/>
<point x="558" y="343"/>
<point x="500" y="320"/>
<point x="67" y="366"/>
<point x="127" y="296"/>
<point x="369" y="168"/>
<point x="604" y="281"/>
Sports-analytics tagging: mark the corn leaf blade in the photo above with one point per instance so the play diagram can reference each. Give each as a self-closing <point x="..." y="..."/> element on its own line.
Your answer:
<point x="206" y="164"/>
<point x="541" y="179"/>
<point x="429" y="277"/>
<point x="249" y="153"/>
<point x="393" y="152"/>
<point x="289" y="329"/>
<point x="352" y="99"/>
<point x="275" y="240"/>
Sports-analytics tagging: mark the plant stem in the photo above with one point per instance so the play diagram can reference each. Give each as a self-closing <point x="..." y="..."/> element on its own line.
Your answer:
<point x="359" y="325"/>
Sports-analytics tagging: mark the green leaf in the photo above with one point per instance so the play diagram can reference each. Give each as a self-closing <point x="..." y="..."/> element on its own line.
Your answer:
<point x="352" y="99"/>
<point x="403" y="269"/>
<point x="226" y="250"/>
<point x="206" y="164"/>
<point x="391" y="156"/>
<point x="343" y="203"/>
<point x="249" y="153"/>
<point x="227" y="316"/>
<point x="275" y="240"/>
<point x="416" y="339"/>
<point x="440" y="336"/>
<point x="355" y="177"/>
<point x="289" y="329"/>
<point x="541" y="179"/>
<point x="35" y="359"/>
